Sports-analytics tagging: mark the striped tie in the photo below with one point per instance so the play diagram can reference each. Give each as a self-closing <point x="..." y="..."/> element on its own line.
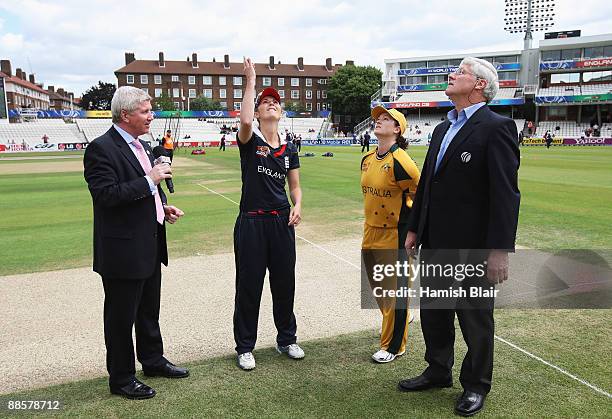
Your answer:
<point x="146" y="166"/>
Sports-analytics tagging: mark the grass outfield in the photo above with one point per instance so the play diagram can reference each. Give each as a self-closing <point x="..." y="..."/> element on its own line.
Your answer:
<point x="337" y="379"/>
<point x="46" y="222"/>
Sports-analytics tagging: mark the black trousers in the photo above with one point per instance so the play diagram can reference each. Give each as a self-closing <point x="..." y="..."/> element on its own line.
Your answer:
<point x="130" y="303"/>
<point x="475" y="315"/>
<point x="264" y="242"/>
<point x="222" y="147"/>
<point x="299" y="146"/>
<point x="365" y="146"/>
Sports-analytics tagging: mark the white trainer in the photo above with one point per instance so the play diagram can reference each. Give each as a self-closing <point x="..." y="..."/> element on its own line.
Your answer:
<point x="382" y="356"/>
<point x="246" y="361"/>
<point x="293" y="351"/>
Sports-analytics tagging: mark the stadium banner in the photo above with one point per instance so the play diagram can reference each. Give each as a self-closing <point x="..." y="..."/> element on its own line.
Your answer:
<point x="205" y="143"/>
<point x="451" y="69"/>
<point x="2" y="148"/>
<point x="98" y="114"/>
<point x="196" y="114"/>
<point x="44" y="147"/>
<point x="606" y="97"/>
<point x="331" y="141"/>
<point x="570" y="64"/>
<point x="71" y="146"/>
<point x="444" y="103"/>
<point x="51" y="113"/>
<point x="590" y="141"/>
<point x="443" y="86"/>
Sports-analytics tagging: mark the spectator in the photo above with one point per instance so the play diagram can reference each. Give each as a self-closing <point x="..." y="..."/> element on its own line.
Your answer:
<point x="45" y="139"/>
<point x="222" y="143"/>
<point x="366" y="142"/>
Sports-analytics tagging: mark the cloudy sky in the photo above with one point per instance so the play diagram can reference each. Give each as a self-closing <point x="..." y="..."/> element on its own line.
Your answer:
<point x="75" y="43"/>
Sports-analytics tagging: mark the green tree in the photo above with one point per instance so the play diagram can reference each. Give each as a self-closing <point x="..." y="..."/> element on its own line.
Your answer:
<point x="351" y="88"/>
<point x="163" y="103"/>
<point x="98" y="97"/>
<point x="294" y="107"/>
<point x="202" y="103"/>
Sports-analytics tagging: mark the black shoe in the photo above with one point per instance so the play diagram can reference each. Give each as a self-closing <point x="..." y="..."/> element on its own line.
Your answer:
<point x="422" y="383"/>
<point x="469" y="403"/>
<point x="134" y="390"/>
<point x="168" y="370"/>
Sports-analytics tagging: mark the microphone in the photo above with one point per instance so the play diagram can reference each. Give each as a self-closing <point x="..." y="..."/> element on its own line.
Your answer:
<point x="163" y="156"/>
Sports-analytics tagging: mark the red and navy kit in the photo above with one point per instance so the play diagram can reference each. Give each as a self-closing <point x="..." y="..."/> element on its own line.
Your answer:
<point x="263" y="240"/>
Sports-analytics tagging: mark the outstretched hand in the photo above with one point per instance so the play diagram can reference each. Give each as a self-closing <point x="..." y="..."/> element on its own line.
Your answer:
<point x="249" y="69"/>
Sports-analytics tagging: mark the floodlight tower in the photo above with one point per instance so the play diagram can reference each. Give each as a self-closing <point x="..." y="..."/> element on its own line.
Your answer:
<point x="529" y="16"/>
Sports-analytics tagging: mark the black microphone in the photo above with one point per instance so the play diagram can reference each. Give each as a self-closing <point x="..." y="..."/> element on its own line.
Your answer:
<point x="163" y="156"/>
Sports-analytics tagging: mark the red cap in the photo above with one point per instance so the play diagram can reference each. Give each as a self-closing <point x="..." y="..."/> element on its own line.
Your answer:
<point x="268" y="91"/>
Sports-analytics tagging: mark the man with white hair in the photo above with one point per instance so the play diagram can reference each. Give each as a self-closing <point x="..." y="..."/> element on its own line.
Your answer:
<point x="467" y="198"/>
<point x="130" y="211"/>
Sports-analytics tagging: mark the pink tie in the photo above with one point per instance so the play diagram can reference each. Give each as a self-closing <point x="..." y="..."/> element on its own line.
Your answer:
<point x="146" y="166"/>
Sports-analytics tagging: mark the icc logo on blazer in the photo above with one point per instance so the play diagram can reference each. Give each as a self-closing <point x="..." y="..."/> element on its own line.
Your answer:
<point x="466" y="156"/>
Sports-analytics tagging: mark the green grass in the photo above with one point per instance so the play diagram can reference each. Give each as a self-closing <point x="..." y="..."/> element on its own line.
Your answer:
<point x="46" y="223"/>
<point x="338" y="379"/>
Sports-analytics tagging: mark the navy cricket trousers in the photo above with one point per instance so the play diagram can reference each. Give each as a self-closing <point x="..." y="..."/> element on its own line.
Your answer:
<point x="264" y="241"/>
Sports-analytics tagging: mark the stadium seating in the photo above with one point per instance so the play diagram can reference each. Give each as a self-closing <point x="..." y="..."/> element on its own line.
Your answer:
<point x="585" y="89"/>
<point x="56" y="130"/>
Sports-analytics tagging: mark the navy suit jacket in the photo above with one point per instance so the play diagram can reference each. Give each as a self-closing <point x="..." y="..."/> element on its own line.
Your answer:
<point x="472" y="201"/>
<point x="128" y="241"/>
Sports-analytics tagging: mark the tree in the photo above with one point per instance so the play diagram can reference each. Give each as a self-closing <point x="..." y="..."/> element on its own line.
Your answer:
<point x="294" y="107"/>
<point x="351" y="88"/>
<point x="163" y="103"/>
<point x="98" y="97"/>
<point x="202" y="103"/>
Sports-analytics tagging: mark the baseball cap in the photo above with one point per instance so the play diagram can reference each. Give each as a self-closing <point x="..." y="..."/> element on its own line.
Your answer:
<point x="268" y="91"/>
<point x="393" y="113"/>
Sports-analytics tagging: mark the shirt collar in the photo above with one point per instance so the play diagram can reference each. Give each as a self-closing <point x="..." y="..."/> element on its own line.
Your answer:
<point x="466" y="113"/>
<point x="126" y="136"/>
<point x="257" y="132"/>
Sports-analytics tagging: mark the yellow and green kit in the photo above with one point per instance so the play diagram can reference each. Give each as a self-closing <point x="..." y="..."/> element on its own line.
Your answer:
<point x="388" y="184"/>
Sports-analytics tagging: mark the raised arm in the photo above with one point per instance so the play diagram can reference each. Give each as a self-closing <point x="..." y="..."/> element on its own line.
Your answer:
<point x="247" y="109"/>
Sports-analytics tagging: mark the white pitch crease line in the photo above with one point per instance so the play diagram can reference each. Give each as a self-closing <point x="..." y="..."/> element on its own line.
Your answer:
<point x="512" y="345"/>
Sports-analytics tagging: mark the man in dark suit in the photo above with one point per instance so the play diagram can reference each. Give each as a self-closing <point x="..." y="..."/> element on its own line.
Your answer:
<point x="467" y="198"/>
<point x="130" y="211"/>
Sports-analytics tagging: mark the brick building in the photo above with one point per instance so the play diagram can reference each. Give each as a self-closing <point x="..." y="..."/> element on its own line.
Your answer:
<point x="61" y="100"/>
<point x="22" y="92"/>
<point x="225" y="81"/>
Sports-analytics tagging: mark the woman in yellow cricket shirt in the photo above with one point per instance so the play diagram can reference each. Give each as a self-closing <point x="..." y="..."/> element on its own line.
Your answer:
<point x="389" y="179"/>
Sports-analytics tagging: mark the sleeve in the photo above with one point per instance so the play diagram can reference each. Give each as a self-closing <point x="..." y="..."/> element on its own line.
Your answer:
<point x="294" y="159"/>
<point x="504" y="196"/>
<point x="406" y="173"/>
<point x="103" y="181"/>
<point x="417" y="203"/>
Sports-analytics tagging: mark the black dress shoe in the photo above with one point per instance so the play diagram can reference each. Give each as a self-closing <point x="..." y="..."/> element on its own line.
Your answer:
<point x="134" y="390"/>
<point x="422" y="383"/>
<point x="469" y="403"/>
<point x="168" y="370"/>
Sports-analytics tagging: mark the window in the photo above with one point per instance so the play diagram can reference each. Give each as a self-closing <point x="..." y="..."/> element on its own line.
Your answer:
<point x="564" y="78"/>
<point x="322" y="81"/>
<point x="177" y="105"/>
<point x="417" y="64"/>
<point x="144" y="89"/>
<point x="597" y="76"/>
<point x="237" y="81"/>
<point x="237" y="93"/>
<point x="144" y="79"/>
<point x="281" y="81"/>
<point x="223" y="105"/>
<point x="324" y="106"/>
<point x="208" y="80"/>
<point x="175" y="92"/>
<point x="507" y="75"/>
<point x="295" y="81"/>
<point x="309" y="94"/>
<point x="158" y="92"/>
<point x="308" y="82"/>
<point x="318" y="106"/>
<point x="570" y="54"/>
<point x="324" y="94"/>
<point x="437" y="63"/>
<point x="309" y="106"/>
<point x="208" y="93"/>
<point x="437" y="79"/>
<point x="237" y="106"/>
<point x="175" y="78"/>
<point x="608" y="51"/>
<point x="416" y="80"/>
<point x="222" y="81"/>
<point x="595" y="52"/>
<point x="157" y="79"/>
<point x="553" y="55"/>
<point x="506" y="59"/>
<point x="267" y="81"/>
<point x="455" y="62"/>
<point x="295" y="94"/>
<point x="222" y="93"/>
<point x="191" y="79"/>
<point x="318" y="94"/>
<point x="192" y="93"/>
<point x="130" y="79"/>
<point x="281" y="93"/>
<point x="329" y="106"/>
